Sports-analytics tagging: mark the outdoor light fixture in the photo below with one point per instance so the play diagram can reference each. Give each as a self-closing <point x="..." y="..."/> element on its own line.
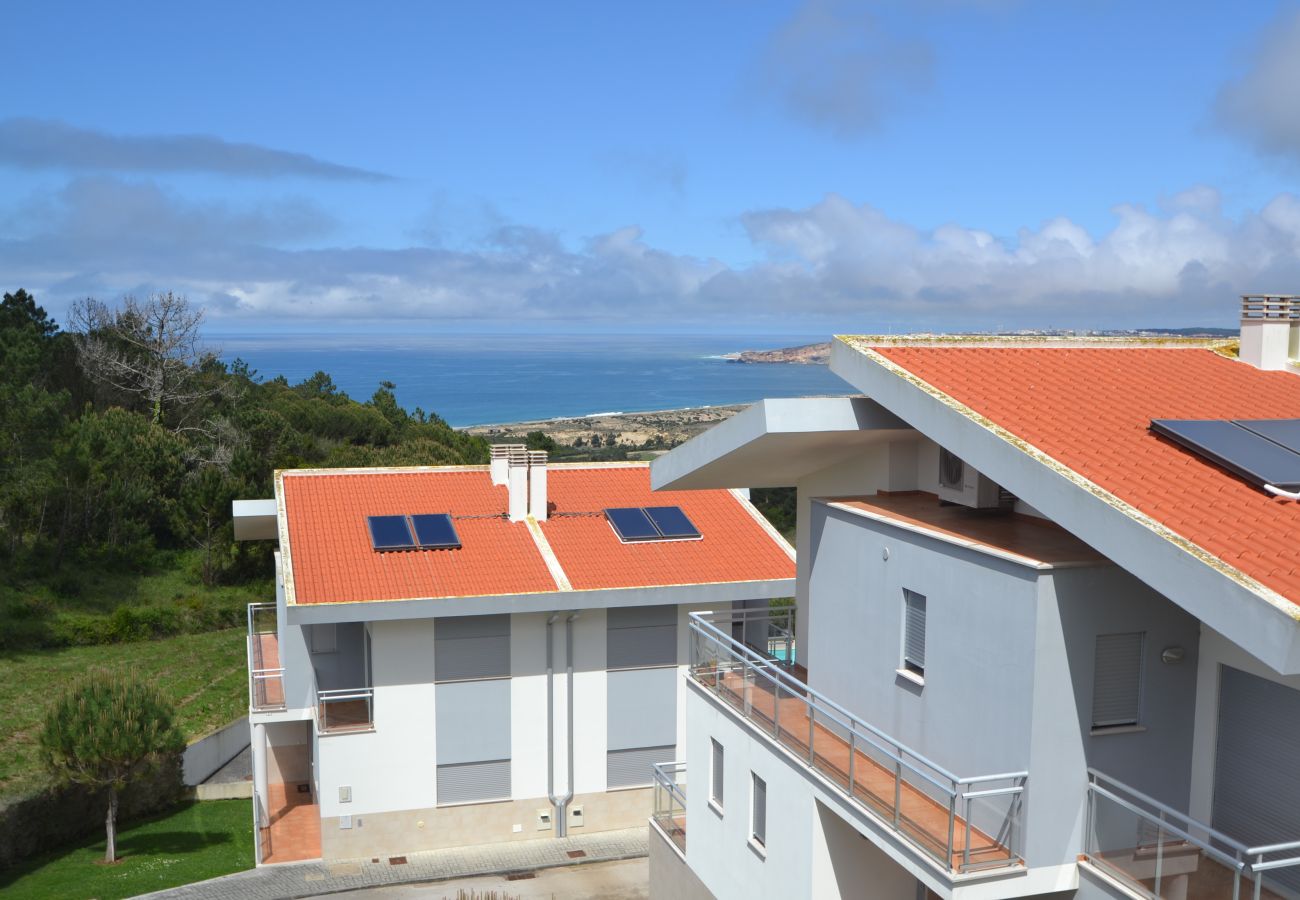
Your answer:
<point x="1172" y="655"/>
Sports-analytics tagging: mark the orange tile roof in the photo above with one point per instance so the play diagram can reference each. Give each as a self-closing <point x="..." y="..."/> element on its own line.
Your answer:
<point x="1090" y="409"/>
<point x="332" y="561"/>
<point x="734" y="546"/>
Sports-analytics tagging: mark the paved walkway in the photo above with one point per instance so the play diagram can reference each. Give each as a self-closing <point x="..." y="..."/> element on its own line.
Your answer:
<point x="292" y="880"/>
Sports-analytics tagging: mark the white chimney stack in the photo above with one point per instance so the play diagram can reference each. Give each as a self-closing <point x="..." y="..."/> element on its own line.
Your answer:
<point x="517" y="478"/>
<point x="537" y="484"/>
<point x="1270" y="330"/>
<point x="500" y="461"/>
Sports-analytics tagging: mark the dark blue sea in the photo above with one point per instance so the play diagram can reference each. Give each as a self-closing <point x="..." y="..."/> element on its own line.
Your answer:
<point x="486" y="379"/>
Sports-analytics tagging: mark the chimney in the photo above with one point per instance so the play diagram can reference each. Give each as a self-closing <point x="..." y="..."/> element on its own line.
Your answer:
<point x="1270" y="330"/>
<point x="517" y="477"/>
<point x="537" y="484"/>
<point x="500" y="461"/>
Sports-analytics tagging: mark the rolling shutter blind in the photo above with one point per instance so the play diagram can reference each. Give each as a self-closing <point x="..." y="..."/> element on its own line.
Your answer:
<point x="467" y="647"/>
<point x="715" y="782"/>
<point x="760" y="810"/>
<point x="913" y="631"/>
<point x="1256" y="779"/>
<point x="640" y="636"/>
<point x="631" y="768"/>
<point x="1117" y="679"/>
<point x="474" y="782"/>
<point x="641" y="708"/>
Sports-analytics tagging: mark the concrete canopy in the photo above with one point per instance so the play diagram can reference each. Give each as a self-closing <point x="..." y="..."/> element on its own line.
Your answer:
<point x="774" y="443"/>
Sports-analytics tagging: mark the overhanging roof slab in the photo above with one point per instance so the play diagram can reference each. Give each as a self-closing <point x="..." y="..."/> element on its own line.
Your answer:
<point x="775" y="443"/>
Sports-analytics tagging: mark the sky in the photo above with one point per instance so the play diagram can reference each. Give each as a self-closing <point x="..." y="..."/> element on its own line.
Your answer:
<point x="702" y="166"/>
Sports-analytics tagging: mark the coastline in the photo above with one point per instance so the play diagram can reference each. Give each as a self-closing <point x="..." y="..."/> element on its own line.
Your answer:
<point x="663" y="427"/>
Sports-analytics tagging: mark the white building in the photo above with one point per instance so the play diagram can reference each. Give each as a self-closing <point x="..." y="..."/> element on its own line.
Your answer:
<point x="1048" y="635"/>
<point x="460" y="655"/>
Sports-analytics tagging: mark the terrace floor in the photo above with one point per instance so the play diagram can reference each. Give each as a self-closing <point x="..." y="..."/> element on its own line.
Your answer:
<point x="294" y="830"/>
<point x="1187" y="873"/>
<point x="919" y="816"/>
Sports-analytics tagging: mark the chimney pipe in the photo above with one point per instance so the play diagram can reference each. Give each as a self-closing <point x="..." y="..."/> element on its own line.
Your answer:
<point x="500" y="461"/>
<point x="537" y="484"/>
<point x="517" y="476"/>
<point x="1270" y="330"/>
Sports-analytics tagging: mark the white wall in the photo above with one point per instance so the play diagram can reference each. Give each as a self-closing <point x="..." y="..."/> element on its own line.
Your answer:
<point x="528" y="704"/>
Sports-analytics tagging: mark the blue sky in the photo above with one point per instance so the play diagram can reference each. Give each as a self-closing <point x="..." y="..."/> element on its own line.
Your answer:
<point x="802" y="167"/>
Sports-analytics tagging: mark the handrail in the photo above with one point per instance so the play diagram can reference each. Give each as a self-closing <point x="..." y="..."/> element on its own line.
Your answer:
<point x="334" y="695"/>
<point x="714" y="633"/>
<point x="1169" y="810"/>
<point x="718" y="656"/>
<point x="663" y="773"/>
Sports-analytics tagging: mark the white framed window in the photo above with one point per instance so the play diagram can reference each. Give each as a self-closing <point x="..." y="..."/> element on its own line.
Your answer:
<point x="716" y="772"/>
<point x="1117" y="680"/>
<point x="325" y="638"/>
<point x="913" y="651"/>
<point x="758" y="812"/>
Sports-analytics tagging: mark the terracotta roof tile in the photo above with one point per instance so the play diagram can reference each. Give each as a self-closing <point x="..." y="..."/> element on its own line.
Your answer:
<point x="1090" y="409"/>
<point x="332" y="560"/>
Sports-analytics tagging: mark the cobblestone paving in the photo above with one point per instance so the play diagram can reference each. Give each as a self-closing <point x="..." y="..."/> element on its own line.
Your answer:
<point x="292" y="880"/>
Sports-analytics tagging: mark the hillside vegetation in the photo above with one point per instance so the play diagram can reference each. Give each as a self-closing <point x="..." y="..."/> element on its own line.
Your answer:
<point x="123" y="441"/>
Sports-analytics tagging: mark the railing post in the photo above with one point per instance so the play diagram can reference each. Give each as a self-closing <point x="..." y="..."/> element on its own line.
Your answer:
<point x="1160" y="850"/>
<point x="898" y="787"/>
<point x="1259" y="885"/>
<point x="776" y="710"/>
<point x="812" y="725"/>
<point x="747" y="687"/>
<point x="853" y="753"/>
<point x="965" y="849"/>
<point x="952" y="825"/>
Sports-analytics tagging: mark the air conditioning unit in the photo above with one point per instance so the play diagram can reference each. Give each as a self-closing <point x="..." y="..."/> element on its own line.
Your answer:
<point x="960" y="483"/>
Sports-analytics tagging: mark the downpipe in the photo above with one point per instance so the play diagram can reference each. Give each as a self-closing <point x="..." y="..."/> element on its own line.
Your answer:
<point x="550" y="716"/>
<point x="562" y="822"/>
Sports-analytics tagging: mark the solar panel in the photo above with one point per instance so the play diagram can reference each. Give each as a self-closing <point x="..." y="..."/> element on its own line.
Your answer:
<point x="390" y="533"/>
<point x="672" y="522"/>
<point x="632" y="524"/>
<point x="1280" y="431"/>
<point x="1236" y="448"/>
<point x="435" y="532"/>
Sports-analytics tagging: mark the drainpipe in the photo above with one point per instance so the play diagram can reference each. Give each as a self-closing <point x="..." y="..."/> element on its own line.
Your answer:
<point x="550" y="717"/>
<point x="562" y="829"/>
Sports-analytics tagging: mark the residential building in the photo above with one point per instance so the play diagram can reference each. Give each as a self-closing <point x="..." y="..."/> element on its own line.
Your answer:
<point x="462" y="655"/>
<point x="1047" y="638"/>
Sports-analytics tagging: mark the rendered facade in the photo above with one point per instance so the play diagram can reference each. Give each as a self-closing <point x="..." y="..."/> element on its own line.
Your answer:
<point x="463" y="655"/>
<point x="1041" y="649"/>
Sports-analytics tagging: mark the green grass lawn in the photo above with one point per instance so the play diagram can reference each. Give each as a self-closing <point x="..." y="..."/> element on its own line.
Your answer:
<point x="202" y="674"/>
<point x="191" y="843"/>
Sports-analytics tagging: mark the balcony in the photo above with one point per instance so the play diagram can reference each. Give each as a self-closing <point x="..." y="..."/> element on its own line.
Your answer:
<point x="344" y="711"/>
<point x="1162" y="854"/>
<point x="670" y="802"/>
<point x="963" y="824"/>
<point x="265" y="674"/>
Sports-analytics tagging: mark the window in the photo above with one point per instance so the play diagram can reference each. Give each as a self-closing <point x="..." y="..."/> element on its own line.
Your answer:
<point x="914" y="633"/>
<point x="715" y="776"/>
<point x="1117" y="680"/>
<point x="325" y="638"/>
<point x="758" y="812"/>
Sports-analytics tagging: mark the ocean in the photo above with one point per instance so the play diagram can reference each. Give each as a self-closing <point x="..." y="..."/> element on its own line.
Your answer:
<point x="488" y="379"/>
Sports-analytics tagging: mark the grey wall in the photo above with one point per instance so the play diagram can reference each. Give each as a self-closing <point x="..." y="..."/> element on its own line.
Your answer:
<point x="980" y="622"/>
<point x="346" y="666"/>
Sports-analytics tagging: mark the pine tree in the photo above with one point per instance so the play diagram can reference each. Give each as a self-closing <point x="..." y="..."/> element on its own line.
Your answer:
<point x="108" y="730"/>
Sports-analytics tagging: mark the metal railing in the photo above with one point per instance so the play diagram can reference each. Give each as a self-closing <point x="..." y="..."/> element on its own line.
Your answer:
<point x="979" y="817"/>
<point x="1161" y="853"/>
<point x="770" y="631"/>
<point x="670" y="801"/>
<point x="265" y="683"/>
<point x="345" y="710"/>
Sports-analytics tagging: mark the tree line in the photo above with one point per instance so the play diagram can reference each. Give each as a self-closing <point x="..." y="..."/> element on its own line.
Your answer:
<point x="123" y="434"/>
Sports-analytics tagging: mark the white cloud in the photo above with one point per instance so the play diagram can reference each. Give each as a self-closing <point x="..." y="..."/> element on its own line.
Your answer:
<point x="1264" y="104"/>
<point x="833" y="264"/>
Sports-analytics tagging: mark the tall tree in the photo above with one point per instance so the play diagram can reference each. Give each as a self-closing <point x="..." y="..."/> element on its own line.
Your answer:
<point x="107" y="731"/>
<point x="147" y="349"/>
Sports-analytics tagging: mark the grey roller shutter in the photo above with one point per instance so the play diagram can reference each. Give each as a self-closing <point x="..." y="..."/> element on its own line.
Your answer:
<point x="631" y="768"/>
<point x="1117" y="679"/>
<point x="474" y="782"/>
<point x="716" y="793"/>
<point x="1256" y="780"/>
<point x="760" y="810"/>
<point x="913" y="631"/>
<point x="641" y="636"/>
<point x="471" y="647"/>
<point x="472" y="721"/>
<point x="642" y="708"/>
